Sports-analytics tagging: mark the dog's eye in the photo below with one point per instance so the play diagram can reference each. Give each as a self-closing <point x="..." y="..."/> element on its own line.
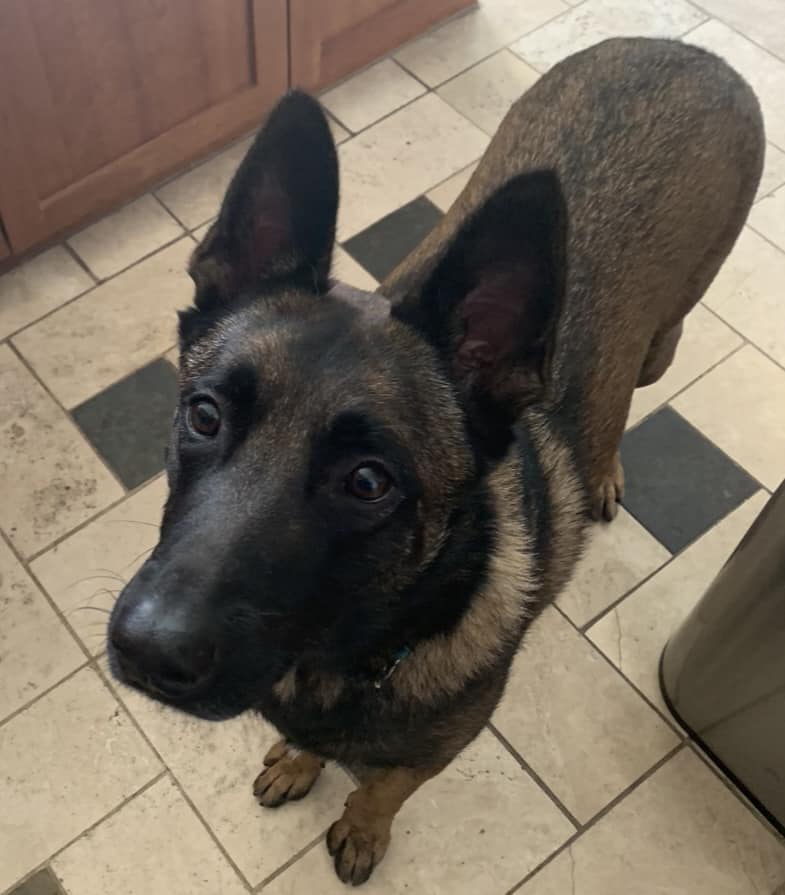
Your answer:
<point x="368" y="482"/>
<point x="204" y="417"/>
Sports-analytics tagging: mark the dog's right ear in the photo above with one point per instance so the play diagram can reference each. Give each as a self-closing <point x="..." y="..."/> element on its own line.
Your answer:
<point x="277" y="221"/>
<point x="492" y="304"/>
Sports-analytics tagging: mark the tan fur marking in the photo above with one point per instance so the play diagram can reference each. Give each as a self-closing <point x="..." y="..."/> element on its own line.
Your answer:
<point x="568" y="503"/>
<point x="441" y="666"/>
<point x="359" y="840"/>
<point x="286" y="688"/>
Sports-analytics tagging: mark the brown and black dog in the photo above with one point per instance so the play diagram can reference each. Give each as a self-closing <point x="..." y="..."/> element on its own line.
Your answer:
<point x="372" y="496"/>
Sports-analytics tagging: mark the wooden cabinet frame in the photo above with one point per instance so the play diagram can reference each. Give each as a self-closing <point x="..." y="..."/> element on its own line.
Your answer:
<point x="30" y="218"/>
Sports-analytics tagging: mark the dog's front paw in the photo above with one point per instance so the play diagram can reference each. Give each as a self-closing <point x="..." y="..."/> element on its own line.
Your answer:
<point x="357" y="847"/>
<point x="289" y="776"/>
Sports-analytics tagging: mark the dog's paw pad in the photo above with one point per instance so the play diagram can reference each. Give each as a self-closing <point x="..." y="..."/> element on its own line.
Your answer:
<point x="287" y="780"/>
<point x="355" y="851"/>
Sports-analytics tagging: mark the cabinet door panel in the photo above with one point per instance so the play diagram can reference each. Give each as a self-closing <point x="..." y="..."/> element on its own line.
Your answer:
<point x="331" y="39"/>
<point x="101" y="97"/>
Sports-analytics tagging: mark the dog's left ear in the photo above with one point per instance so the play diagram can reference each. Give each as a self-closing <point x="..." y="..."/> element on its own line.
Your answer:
<point x="492" y="304"/>
<point x="277" y="220"/>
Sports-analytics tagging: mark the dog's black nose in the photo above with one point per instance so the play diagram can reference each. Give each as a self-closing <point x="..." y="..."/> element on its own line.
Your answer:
<point x="159" y="651"/>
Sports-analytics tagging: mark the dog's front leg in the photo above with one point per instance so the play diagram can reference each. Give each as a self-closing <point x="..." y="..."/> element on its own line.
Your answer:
<point x="288" y="775"/>
<point x="359" y="840"/>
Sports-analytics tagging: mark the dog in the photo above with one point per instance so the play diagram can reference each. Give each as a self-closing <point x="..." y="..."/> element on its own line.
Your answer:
<point x="372" y="496"/>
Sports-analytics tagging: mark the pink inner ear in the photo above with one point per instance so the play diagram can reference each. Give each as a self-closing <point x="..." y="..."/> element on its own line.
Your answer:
<point x="272" y="224"/>
<point x="270" y="239"/>
<point x="492" y="315"/>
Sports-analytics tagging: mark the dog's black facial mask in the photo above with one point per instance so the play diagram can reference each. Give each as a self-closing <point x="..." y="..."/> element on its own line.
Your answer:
<point x="320" y="453"/>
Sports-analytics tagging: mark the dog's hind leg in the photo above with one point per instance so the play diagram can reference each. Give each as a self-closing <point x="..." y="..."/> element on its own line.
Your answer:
<point x="359" y="840"/>
<point x="660" y="355"/>
<point x="288" y="776"/>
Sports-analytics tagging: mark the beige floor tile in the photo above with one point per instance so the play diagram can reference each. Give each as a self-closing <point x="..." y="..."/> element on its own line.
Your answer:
<point x="476" y="829"/>
<point x="38" y="286"/>
<point x="155" y="845"/>
<point x="339" y="133"/>
<point x="617" y="557"/>
<point x="681" y="832"/>
<point x="765" y="73"/>
<point x="773" y="171"/>
<point x="597" y="20"/>
<point x="67" y="761"/>
<point x="443" y="53"/>
<point x="705" y="342"/>
<point x="128" y="321"/>
<point x="173" y="357"/>
<point x="36" y="650"/>
<point x="195" y="196"/>
<point x="485" y="93"/>
<point x="346" y="269"/>
<point x="634" y="633"/>
<point x="768" y="215"/>
<point x="401" y="157"/>
<point x="747" y="293"/>
<point x="370" y="95"/>
<point x="200" y="232"/>
<point x="50" y="479"/>
<point x="121" y="238"/>
<point x="446" y="193"/>
<point x="750" y="390"/>
<point x="217" y="764"/>
<point x="566" y="710"/>
<point x="760" y="20"/>
<point x="84" y="573"/>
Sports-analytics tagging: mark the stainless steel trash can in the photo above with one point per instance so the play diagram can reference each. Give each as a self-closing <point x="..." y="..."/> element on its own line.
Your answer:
<point x="723" y="672"/>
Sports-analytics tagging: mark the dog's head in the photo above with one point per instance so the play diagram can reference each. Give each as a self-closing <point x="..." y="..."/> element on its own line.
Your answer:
<point x="328" y="456"/>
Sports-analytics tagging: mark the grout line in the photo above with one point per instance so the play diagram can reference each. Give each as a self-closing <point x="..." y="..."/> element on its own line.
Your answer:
<point x="79" y="260"/>
<point x="291" y="862"/>
<point x="413" y="75"/>
<point x="47" y="863"/>
<point x="172" y="215"/>
<point x="116" y="694"/>
<point x="535" y="776"/>
<point x="685" y="34"/>
<point x="102" y="512"/>
<point x="565" y="846"/>
<point x="752" y="40"/>
<point x="202" y="160"/>
<point x="52" y="311"/>
<point x="31" y="370"/>
<point x="155" y="251"/>
<point x="699" y="751"/>
<point x="92" y="288"/>
<point x="449" y="177"/>
<point x="763" y="236"/>
<point x="44" y="693"/>
<point x="586" y="626"/>
<point x="664" y="717"/>
<point x="667" y="402"/>
<point x="746" y="340"/>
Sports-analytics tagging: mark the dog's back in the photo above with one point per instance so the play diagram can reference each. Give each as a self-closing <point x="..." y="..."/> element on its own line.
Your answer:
<point x="658" y="147"/>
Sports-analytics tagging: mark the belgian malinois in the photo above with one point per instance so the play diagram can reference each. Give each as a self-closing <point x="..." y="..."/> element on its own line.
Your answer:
<point x="373" y="495"/>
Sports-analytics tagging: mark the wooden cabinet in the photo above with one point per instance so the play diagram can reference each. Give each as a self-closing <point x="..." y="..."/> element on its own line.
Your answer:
<point x="101" y="98"/>
<point x="331" y="38"/>
<point x="98" y="98"/>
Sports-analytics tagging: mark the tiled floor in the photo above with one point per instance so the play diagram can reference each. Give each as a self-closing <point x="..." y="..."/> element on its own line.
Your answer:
<point x="583" y="785"/>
